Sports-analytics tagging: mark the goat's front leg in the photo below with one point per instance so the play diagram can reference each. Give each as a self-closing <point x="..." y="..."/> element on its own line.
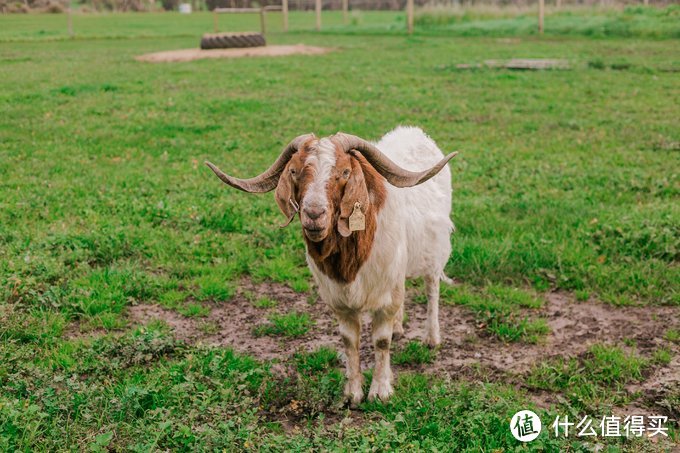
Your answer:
<point x="350" y="331"/>
<point x="382" y="324"/>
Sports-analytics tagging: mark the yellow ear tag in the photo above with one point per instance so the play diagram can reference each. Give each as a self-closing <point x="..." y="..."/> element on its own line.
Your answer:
<point x="357" y="221"/>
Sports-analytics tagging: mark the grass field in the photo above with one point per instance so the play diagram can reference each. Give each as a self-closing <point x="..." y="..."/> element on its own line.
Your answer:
<point x="565" y="200"/>
<point x="662" y="23"/>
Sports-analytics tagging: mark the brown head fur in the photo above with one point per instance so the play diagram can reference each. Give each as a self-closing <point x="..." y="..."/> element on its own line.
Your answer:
<point x="338" y="252"/>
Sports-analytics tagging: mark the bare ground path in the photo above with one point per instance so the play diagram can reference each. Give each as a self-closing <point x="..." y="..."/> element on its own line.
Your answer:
<point x="174" y="56"/>
<point x="466" y="350"/>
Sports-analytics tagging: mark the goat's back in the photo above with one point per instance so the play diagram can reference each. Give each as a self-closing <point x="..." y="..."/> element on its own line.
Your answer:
<point x="424" y="211"/>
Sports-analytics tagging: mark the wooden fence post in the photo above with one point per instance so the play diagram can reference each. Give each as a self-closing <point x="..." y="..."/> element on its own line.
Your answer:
<point x="541" y="12"/>
<point x="214" y="20"/>
<point x="284" y="10"/>
<point x="345" y="8"/>
<point x="70" y="23"/>
<point x="318" y="15"/>
<point x="409" y="15"/>
<point x="263" y="24"/>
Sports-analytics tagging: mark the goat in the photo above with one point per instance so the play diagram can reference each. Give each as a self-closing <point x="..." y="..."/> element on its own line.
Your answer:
<point x="363" y="236"/>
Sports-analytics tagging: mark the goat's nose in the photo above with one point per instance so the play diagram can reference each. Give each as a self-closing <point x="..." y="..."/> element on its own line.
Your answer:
<point x="314" y="213"/>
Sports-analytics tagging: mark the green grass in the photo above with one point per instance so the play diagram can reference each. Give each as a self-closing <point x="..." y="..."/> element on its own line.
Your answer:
<point x="501" y="311"/>
<point x="593" y="380"/>
<point x="291" y="324"/>
<point x="565" y="181"/>
<point x="662" y="356"/>
<point x="322" y="359"/>
<point x="673" y="335"/>
<point x="413" y="353"/>
<point x="632" y="21"/>
<point x="154" y="25"/>
<point x="175" y="300"/>
<point x="265" y="302"/>
<point x="525" y="210"/>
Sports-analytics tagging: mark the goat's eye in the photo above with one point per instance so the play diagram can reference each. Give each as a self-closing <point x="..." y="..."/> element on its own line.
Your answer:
<point x="293" y="172"/>
<point x="345" y="174"/>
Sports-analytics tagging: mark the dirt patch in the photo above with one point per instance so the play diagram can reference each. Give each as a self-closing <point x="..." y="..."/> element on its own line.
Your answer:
<point x="657" y="389"/>
<point x="183" y="328"/>
<point x="523" y="64"/>
<point x="198" y="54"/>
<point x="574" y="328"/>
<point x="231" y="323"/>
<point x="75" y="331"/>
<point x="466" y="349"/>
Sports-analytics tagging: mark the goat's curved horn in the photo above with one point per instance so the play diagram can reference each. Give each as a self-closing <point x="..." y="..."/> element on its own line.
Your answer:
<point x="270" y="178"/>
<point x="395" y="175"/>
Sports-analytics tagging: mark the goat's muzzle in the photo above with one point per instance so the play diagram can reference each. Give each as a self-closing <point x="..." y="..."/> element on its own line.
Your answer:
<point x="315" y="223"/>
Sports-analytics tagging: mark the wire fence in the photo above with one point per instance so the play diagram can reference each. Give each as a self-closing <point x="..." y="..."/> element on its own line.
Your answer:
<point x="58" y="6"/>
<point x="398" y="5"/>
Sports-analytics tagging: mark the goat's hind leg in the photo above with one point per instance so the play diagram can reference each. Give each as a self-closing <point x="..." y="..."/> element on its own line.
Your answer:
<point x="432" y="337"/>
<point x="398" y="300"/>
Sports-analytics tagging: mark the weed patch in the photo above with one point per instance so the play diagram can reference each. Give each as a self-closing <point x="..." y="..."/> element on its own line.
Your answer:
<point x="414" y="353"/>
<point x="292" y="324"/>
<point x="499" y="311"/>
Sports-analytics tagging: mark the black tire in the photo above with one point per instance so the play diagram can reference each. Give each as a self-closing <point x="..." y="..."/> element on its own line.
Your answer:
<point x="232" y="40"/>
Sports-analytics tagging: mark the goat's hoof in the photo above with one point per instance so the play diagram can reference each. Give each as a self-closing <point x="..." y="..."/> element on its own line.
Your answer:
<point x="353" y="401"/>
<point x="353" y="394"/>
<point x="432" y="341"/>
<point x="396" y="336"/>
<point x="380" y="390"/>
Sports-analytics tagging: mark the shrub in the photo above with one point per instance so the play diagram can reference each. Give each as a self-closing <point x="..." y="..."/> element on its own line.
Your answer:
<point x="17" y="7"/>
<point x="170" y="5"/>
<point x="54" y="8"/>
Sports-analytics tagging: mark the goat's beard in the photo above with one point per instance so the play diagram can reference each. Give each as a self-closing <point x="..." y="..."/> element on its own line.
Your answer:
<point x="315" y="235"/>
<point x="324" y="245"/>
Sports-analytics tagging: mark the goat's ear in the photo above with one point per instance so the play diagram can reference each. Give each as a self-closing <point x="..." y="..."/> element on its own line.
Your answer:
<point x="284" y="193"/>
<point x="355" y="190"/>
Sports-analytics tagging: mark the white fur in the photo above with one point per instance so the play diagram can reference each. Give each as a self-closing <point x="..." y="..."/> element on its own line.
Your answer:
<point x="323" y="161"/>
<point x="412" y="239"/>
<point x="414" y="228"/>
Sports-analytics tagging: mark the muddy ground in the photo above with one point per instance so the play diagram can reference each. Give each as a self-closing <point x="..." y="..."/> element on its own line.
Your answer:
<point x="466" y="350"/>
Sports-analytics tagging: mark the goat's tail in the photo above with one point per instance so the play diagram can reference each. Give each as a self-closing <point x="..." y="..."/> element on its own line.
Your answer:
<point x="449" y="281"/>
